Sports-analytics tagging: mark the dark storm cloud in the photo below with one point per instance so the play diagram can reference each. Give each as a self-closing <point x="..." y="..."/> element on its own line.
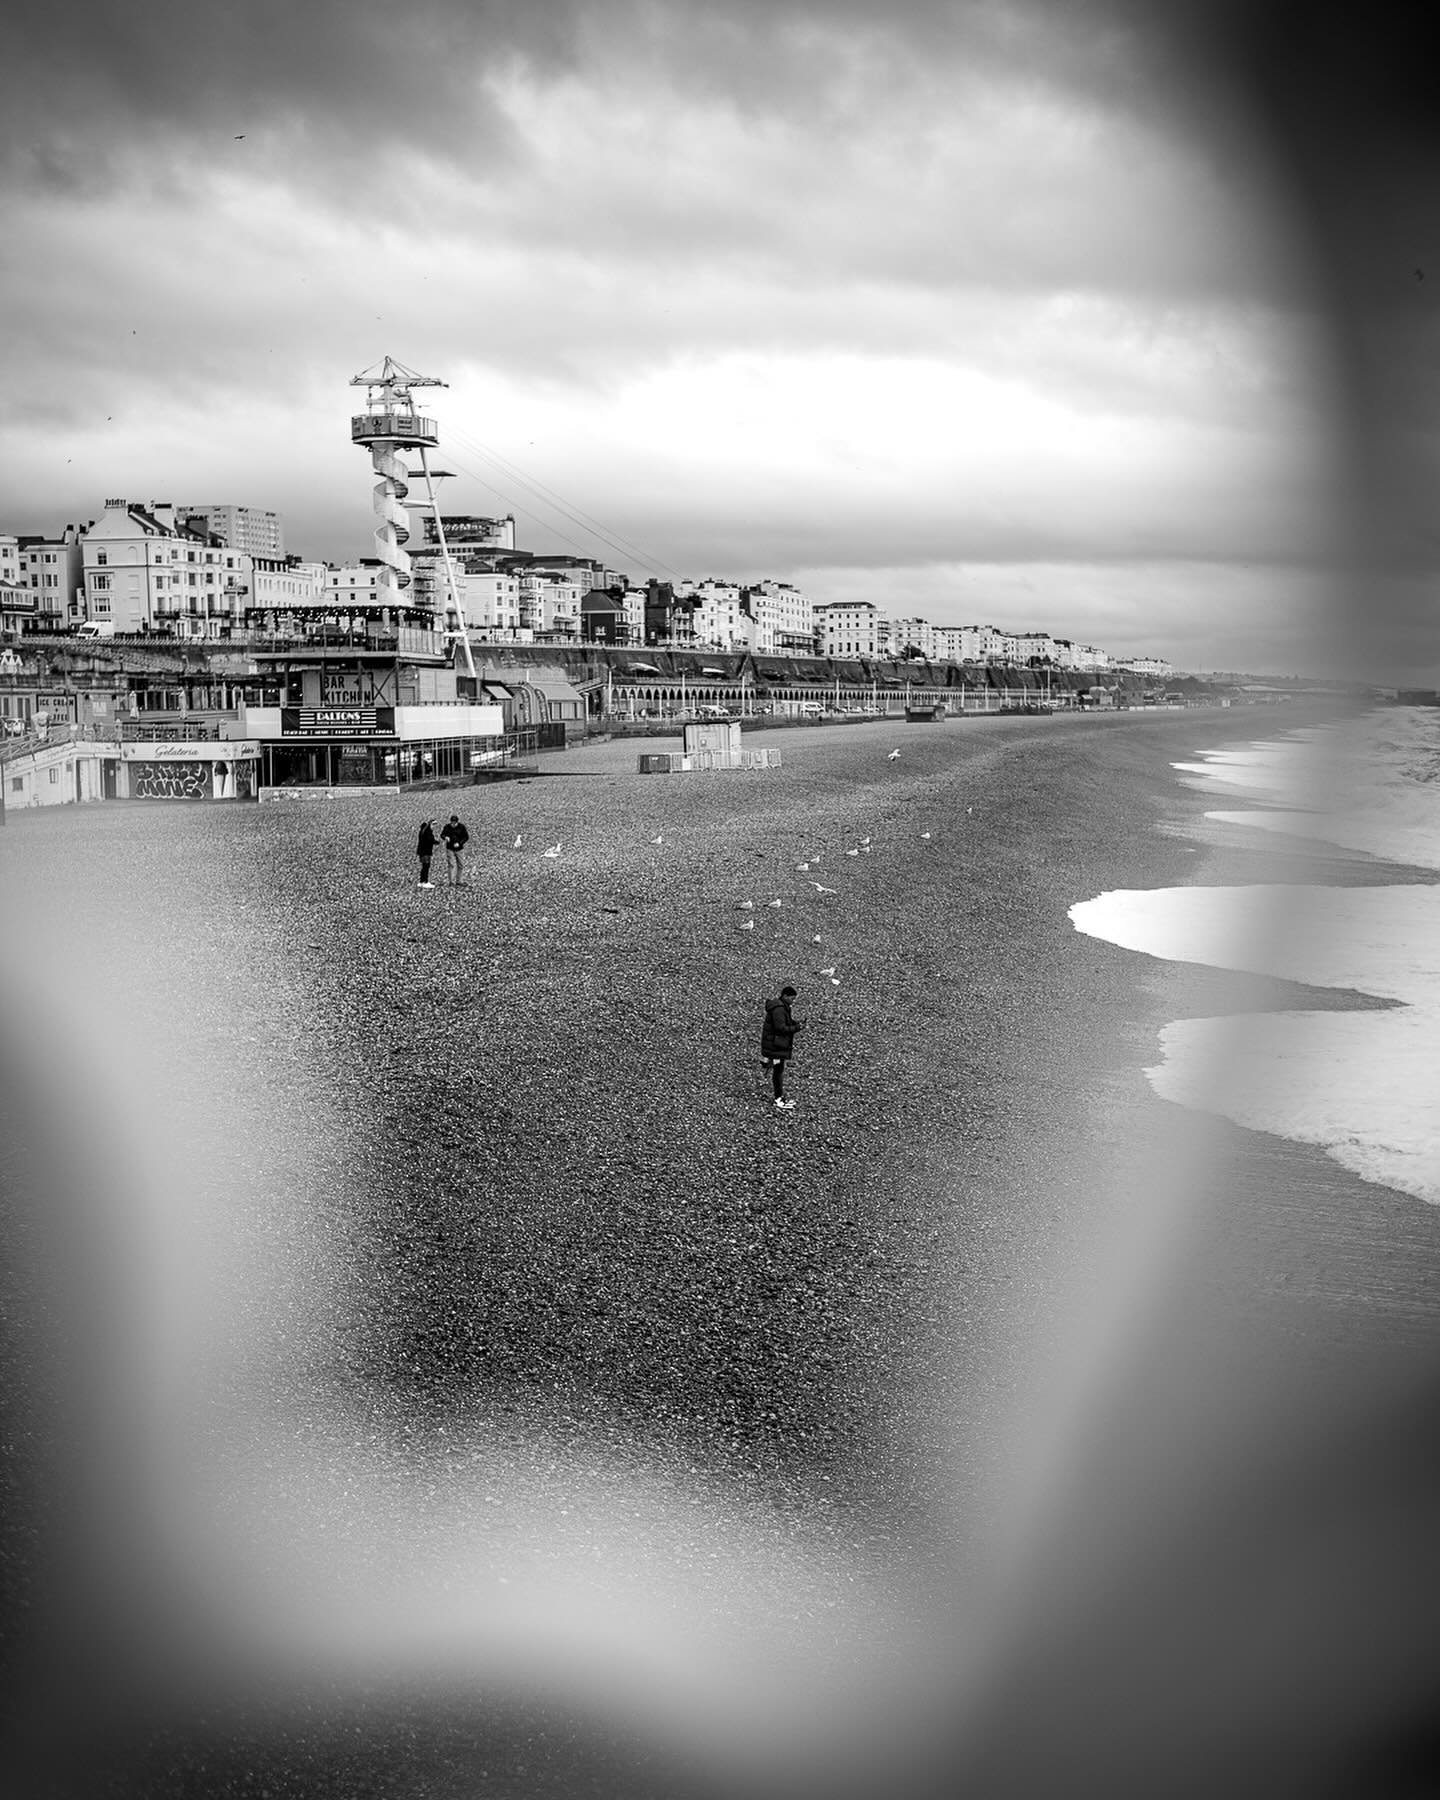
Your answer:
<point x="85" y="80"/>
<point x="575" y="201"/>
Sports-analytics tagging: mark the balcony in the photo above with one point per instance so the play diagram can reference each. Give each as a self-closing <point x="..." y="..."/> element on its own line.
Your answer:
<point x="393" y="427"/>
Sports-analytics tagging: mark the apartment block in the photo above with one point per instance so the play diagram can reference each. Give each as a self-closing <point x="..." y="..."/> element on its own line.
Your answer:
<point x="244" y="528"/>
<point x="848" y="628"/>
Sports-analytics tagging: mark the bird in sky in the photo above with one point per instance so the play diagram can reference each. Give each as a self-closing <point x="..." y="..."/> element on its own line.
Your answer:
<point x="238" y="136"/>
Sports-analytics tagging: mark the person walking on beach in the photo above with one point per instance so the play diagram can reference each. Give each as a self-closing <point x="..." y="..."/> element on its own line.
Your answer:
<point x="456" y="838"/>
<point x="777" y="1043"/>
<point x="425" y="849"/>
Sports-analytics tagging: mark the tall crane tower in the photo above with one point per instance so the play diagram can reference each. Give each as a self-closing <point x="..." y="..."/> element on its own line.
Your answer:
<point x="388" y="425"/>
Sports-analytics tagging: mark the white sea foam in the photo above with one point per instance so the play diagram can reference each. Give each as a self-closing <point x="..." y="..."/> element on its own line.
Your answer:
<point x="1359" y="1083"/>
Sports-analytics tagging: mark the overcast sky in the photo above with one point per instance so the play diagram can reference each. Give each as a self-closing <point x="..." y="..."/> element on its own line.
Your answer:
<point x="990" y="312"/>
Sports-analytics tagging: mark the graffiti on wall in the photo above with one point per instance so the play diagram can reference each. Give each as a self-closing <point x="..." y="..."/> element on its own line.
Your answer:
<point x="191" y="779"/>
<point x="170" y="781"/>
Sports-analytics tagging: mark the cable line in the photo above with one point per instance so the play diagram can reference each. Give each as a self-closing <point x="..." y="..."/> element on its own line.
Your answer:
<point x="577" y="516"/>
<point x="572" y="510"/>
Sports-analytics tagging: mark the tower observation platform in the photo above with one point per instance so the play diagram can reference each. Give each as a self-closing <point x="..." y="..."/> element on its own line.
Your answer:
<point x="400" y="427"/>
<point x="389" y="425"/>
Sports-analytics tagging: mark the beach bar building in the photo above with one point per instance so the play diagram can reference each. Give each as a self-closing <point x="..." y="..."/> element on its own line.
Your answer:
<point x="361" y="718"/>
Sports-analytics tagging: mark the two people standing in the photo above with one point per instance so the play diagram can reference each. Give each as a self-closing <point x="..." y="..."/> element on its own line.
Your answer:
<point x="455" y="837"/>
<point x="777" y="1043"/>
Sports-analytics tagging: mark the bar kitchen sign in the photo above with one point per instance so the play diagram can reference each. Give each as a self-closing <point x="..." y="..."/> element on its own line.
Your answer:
<point x="337" y="721"/>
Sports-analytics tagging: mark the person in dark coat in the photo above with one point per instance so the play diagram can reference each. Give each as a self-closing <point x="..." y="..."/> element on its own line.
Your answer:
<point x="425" y="849"/>
<point x="456" y="838"/>
<point x="777" y="1042"/>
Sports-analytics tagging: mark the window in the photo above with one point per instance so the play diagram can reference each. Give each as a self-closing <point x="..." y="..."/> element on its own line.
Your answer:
<point x="101" y="607"/>
<point x="100" y="584"/>
<point x="101" y="557"/>
<point x="54" y="777"/>
<point x="17" y="784"/>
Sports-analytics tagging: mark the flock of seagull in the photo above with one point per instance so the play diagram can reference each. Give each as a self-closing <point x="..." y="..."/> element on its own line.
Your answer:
<point x="863" y="848"/>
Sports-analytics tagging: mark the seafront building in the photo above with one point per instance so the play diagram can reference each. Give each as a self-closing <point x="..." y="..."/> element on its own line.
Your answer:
<point x="247" y="528"/>
<point x="142" y="571"/>
<point x="179" y="652"/>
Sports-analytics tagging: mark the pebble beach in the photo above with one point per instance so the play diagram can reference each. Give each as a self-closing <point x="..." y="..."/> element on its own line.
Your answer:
<point x="531" y="1179"/>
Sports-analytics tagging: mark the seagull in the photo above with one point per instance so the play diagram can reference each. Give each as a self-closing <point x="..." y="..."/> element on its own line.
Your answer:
<point x="238" y="136"/>
<point x="816" y="938"/>
<point x="658" y="840"/>
<point x="744" y="906"/>
<point x="894" y="756"/>
<point x="772" y="903"/>
<point x="865" y="848"/>
<point x="863" y="842"/>
<point x="747" y="925"/>
<point x="821" y="890"/>
<point x="924" y="837"/>
<point x="968" y="811"/>
<point x="852" y="852"/>
<point x="554" y="850"/>
<point x="517" y="843"/>
<point x="802" y="865"/>
<point x="834" y="981"/>
<point x="829" y="971"/>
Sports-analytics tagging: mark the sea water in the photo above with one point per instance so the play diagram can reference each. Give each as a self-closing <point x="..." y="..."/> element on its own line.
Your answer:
<point x="1362" y="1084"/>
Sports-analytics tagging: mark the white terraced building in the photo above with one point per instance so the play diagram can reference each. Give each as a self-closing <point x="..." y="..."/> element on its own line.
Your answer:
<point x="850" y="628"/>
<point x="143" y="572"/>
